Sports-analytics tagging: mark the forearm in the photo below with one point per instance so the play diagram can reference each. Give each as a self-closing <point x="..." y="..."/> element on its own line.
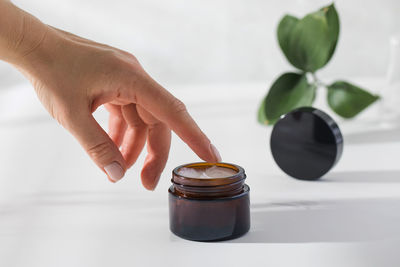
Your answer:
<point x="20" y="33"/>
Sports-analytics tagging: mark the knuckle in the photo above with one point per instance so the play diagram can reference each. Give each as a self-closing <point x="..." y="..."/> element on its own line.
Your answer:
<point x="123" y="65"/>
<point x="132" y="58"/>
<point x="100" y="152"/>
<point x="122" y="59"/>
<point x="112" y="61"/>
<point x="178" y="106"/>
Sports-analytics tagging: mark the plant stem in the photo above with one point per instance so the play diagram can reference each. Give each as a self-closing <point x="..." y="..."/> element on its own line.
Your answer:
<point x="317" y="81"/>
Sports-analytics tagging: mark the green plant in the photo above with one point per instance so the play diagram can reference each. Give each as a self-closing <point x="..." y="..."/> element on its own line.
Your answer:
<point x="308" y="44"/>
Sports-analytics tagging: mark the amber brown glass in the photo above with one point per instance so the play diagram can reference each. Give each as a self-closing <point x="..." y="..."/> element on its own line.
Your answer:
<point x="209" y="209"/>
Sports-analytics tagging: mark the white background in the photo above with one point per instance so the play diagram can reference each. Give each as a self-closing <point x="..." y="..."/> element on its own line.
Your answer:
<point x="204" y="41"/>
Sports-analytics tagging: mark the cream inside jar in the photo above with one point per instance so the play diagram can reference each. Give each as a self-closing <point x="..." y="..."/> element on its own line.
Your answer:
<point x="207" y="173"/>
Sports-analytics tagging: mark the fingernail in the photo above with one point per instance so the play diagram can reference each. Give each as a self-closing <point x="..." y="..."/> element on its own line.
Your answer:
<point x="216" y="153"/>
<point x="114" y="171"/>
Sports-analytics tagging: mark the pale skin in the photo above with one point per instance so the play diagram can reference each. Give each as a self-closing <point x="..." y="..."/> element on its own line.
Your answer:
<point x="73" y="76"/>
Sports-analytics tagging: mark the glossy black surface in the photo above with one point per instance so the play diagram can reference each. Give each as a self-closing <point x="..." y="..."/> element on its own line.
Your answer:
<point x="306" y="143"/>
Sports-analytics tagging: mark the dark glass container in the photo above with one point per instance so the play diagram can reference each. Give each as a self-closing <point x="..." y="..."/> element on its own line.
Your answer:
<point x="211" y="209"/>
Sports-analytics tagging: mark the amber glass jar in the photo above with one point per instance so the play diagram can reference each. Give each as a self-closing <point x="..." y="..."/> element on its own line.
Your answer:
<point x="210" y="209"/>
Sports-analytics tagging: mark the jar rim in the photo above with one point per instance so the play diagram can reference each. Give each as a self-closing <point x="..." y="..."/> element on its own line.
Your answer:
<point x="190" y="181"/>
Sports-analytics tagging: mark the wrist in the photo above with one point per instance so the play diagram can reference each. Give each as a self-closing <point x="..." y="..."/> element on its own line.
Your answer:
<point x="21" y="35"/>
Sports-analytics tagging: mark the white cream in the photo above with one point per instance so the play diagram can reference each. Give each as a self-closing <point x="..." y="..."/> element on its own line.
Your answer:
<point x="208" y="173"/>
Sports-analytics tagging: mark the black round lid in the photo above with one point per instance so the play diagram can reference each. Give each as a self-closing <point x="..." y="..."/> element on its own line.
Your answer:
<point x="306" y="143"/>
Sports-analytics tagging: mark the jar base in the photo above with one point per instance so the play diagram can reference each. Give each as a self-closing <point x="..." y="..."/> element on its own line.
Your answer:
<point x="210" y="220"/>
<point x="233" y="236"/>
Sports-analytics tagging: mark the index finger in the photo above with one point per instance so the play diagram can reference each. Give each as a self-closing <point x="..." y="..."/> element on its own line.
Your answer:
<point x="170" y="110"/>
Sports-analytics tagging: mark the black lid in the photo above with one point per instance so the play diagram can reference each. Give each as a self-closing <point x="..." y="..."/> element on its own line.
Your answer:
<point x="306" y="143"/>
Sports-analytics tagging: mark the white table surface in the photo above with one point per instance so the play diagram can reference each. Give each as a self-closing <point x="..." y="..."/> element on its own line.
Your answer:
<point x="58" y="209"/>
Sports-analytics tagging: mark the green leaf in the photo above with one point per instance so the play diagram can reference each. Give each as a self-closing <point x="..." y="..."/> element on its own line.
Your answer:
<point x="348" y="100"/>
<point x="285" y="28"/>
<point x="309" y="43"/>
<point x="261" y="117"/>
<point x="334" y="26"/>
<point x="289" y="91"/>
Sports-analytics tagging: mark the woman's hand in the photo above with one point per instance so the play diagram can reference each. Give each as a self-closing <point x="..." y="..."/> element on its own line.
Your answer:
<point x="73" y="76"/>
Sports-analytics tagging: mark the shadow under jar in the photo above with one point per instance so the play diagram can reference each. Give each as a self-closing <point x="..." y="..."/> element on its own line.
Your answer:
<point x="209" y="202"/>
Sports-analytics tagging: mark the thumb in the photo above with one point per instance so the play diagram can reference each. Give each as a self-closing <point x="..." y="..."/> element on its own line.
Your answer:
<point x="98" y="145"/>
